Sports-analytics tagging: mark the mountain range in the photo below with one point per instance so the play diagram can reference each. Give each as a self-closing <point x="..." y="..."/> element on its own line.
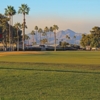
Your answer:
<point x="60" y="36"/>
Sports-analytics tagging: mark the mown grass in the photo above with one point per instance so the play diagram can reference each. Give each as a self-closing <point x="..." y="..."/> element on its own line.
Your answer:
<point x="47" y="80"/>
<point x="72" y="57"/>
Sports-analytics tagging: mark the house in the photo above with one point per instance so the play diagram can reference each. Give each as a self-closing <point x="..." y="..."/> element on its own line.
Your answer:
<point x="88" y="48"/>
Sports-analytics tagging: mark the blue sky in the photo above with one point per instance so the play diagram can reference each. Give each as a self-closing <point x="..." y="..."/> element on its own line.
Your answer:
<point x="78" y="15"/>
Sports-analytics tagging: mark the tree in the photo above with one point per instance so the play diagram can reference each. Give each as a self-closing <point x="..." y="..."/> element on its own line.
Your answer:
<point x="3" y="36"/>
<point x="67" y="37"/>
<point x="24" y="9"/>
<point x="45" y="37"/>
<point x="75" y="38"/>
<point x="27" y="38"/>
<point x="63" y="44"/>
<point x="55" y="28"/>
<point x="10" y="11"/>
<point x="51" y="30"/>
<point x="17" y="27"/>
<point x="44" y="41"/>
<point x="33" y="33"/>
<point x="4" y="30"/>
<point x="40" y="31"/>
<point x="36" y="29"/>
<point x="92" y="39"/>
<point x="95" y="42"/>
<point x="46" y="30"/>
<point x="85" y="40"/>
<point x="95" y="37"/>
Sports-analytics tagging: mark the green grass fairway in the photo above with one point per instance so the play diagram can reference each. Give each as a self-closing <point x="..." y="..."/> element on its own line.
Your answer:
<point x="50" y="76"/>
<point x="68" y="57"/>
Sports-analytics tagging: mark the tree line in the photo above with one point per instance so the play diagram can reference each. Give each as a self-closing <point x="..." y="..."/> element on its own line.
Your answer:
<point x="44" y="32"/>
<point x="92" y="39"/>
<point x="10" y="34"/>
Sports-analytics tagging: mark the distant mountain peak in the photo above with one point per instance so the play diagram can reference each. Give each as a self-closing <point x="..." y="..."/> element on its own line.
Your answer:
<point x="61" y="35"/>
<point x="70" y="31"/>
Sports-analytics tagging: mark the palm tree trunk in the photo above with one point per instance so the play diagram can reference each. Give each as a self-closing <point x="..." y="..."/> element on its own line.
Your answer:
<point x="33" y="39"/>
<point x="12" y="21"/>
<point x="3" y="45"/>
<point x="55" y="40"/>
<point x="50" y="35"/>
<point x="11" y="37"/>
<point x="6" y="42"/>
<point x="23" y="32"/>
<point x="40" y="38"/>
<point x="47" y="38"/>
<point x="17" y="41"/>
<point x="28" y="42"/>
<point x="10" y="34"/>
<point x="36" y="37"/>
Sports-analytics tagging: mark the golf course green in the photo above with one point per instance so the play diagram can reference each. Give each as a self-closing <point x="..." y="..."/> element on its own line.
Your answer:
<point x="69" y="75"/>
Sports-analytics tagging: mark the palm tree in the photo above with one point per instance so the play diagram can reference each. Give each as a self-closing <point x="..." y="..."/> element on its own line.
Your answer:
<point x="36" y="29"/>
<point x="69" y="39"/>
<point x="24" y="9"/>
<point x="44" y="34"/>
<point x="67" y="36"/>
<point x="10" y="11"/>
<point x="4" y="35"/>
<point x="17" y="27"/>
<point x="75" y="38"/>
<point x="51" y="30"/>
<point x="33" y="33"/>
<point x="46" y="30"/>
<point x="44" y="41"/>
<point x="24" y="26"/>
<point x="55" y="27"/>
<point x="4" y="30"/>
<point x="27" y="38"/>
<point x="40" y="31"/>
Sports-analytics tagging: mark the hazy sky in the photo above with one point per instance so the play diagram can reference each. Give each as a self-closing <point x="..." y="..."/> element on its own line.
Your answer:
<point x="78" y="15"/>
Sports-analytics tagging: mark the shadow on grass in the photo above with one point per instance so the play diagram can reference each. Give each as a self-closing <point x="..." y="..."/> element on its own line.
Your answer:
<point x="48" y="70"/>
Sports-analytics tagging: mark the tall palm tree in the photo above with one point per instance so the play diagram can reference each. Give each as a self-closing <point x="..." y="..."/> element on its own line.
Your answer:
<point x="55" y="28"/>
<point x="67" y="37"/>
<point x="27" y="38"/>
<point x="4" y="30"/>
<point x="51" y="30"/>
<point x="33" y="33"/>
<point x="46" y="30"/>
<point x="44" y="41"/>
<point x="36" y="29"/>
<point x="10" y="11"/>
<point x="40" y="31"/>
<point x="4" y="35"/>
<point x="17" y="27"/>
<point x="44" y="34"/>
<point x="75" y="38"/>
<point x="24" y="9"/>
